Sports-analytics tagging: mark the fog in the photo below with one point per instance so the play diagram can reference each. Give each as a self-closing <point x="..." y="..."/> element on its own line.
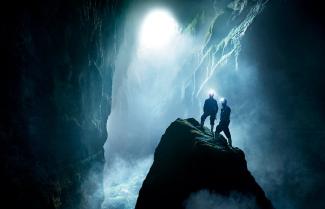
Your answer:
<point x="155" y="83"/>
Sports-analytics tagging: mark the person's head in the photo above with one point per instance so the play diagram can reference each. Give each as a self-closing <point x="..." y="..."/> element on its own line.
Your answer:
<point x="223" y="102"/>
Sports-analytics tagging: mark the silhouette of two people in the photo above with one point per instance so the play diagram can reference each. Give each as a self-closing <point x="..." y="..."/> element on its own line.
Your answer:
<point x="210" y="108"/>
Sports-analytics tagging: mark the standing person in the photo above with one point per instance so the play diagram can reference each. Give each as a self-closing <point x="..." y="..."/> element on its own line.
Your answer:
<point x="210" y="108"/>
<point x="224" y="120"/>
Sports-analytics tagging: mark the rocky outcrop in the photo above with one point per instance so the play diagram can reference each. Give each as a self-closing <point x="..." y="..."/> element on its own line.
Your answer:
<point x="187" y="160"/>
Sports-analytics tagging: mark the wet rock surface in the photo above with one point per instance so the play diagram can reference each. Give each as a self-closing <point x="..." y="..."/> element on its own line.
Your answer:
<point x="189" y="159"/>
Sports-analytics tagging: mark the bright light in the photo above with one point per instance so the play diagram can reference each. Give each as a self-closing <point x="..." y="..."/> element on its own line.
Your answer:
<point x="158" y="29"/>
<point x="211" y="92"/>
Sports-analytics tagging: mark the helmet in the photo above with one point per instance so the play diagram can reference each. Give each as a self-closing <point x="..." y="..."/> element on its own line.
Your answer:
<point x="223" y="101"/>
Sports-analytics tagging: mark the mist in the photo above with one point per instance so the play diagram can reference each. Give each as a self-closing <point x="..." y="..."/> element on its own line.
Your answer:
<point x="154" y="86"/>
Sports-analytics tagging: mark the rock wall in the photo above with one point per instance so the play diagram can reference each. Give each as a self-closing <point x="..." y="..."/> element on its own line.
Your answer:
<point x="56" y="77"/>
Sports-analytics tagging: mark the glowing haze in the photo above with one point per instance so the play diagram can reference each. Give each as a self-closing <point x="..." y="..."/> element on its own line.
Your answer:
<point x="158" y="29"/>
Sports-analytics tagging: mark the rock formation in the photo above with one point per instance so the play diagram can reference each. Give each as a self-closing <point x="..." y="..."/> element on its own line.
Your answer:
<point x="188" y="160"/>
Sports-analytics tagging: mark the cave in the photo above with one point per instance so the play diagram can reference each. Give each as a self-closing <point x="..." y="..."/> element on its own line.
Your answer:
<point x="89" y="87"/>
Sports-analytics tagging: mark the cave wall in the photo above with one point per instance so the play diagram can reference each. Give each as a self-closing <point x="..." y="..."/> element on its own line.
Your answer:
<point x="56" y="94"/>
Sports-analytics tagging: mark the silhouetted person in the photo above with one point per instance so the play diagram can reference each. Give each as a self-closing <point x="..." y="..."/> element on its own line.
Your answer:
<point x="210" y="108"/>
<point x="224" y="121"/>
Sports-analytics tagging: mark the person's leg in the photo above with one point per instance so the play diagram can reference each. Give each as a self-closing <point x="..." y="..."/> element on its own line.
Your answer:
<point x="218" y="129"/>
<point x="212" y="119"/>
<point x="203" y="117"/>
<point x="227" y="133"/>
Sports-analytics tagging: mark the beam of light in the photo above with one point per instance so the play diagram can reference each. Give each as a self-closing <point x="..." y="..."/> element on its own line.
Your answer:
<point x="158" y="29"/>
